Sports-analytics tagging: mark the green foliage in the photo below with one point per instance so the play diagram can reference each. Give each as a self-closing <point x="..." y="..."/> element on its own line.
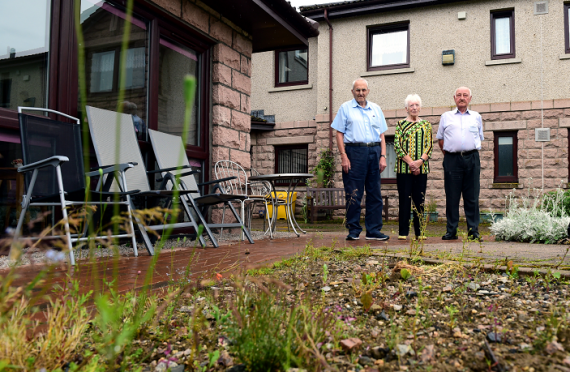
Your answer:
<point x="272" y="334"/>
<point x="260" y="271"/>
<point x="405" y="274"/>
<point x="557" y="203"/>
<point x="325" y="169"/>
<point x="325" y="272"/>
<point x="118" y="320"/>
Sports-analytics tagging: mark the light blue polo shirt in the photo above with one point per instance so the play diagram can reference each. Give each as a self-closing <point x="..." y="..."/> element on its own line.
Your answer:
<point x="360" y="124"/>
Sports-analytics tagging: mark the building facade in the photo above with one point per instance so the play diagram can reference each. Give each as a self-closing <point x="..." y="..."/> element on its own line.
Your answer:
<point x="514" y="55"/>
<point x="42" y="65"/>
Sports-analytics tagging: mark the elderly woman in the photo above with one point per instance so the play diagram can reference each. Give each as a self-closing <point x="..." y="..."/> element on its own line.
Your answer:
<point x="413" y="147"/>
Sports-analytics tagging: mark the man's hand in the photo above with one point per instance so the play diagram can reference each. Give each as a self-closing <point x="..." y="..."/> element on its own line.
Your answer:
<point x="345" y="163"/>
<point x="382" y="164"/>
<point x="416" y="172"/>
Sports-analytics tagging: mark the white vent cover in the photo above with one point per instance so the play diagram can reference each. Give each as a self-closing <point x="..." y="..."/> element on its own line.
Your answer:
<point x="541" y="7"/>
<point x="542" y="134"/>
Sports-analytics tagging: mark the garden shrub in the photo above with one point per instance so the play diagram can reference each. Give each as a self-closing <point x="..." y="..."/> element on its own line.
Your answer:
<point x="534" y="218"/>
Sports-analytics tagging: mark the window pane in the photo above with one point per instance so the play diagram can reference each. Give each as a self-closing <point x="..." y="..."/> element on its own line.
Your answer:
<point x="102" y="70"/>
<point x="176" y="61"/>
<point x="24" y="47"/>
<point x="390" y="48"/>
<point x="390" y="171"/>
<point x="293" y="66"/>
<point x="503" y="35"/>
<point x="103" y="27"/>
<point x="292" y="161"/>
<point x="506" y="156"/>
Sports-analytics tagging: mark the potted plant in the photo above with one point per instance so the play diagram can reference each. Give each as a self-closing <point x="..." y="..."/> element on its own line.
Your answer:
<point x="490" y="216"/>
<point x="430" y="210"/>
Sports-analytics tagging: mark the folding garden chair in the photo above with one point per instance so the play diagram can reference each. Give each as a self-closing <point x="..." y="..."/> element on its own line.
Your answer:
<point x="170" y="154"/>
<point x="53" y="154"/>
<point x="113" y="138"/>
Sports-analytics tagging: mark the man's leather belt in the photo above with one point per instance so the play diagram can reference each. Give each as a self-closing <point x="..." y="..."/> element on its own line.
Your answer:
<point x="463" y="153"/>
<point x="363" y="144"/>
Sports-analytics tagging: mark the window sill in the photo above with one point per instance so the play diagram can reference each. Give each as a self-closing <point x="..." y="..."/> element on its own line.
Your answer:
<point x="506" y="185"/>
<point x="292" y="87"/>
<point x="565" y="56"/>
<point x="508" y="61"/>
<point x="388" y="72"/>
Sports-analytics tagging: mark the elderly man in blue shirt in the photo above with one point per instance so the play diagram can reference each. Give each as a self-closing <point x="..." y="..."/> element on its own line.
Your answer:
<point x="460" y="134"/>
<point x="360" y="127"/>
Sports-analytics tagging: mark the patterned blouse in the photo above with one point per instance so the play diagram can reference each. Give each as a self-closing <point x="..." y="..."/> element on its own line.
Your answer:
<point x="412" y="139"/>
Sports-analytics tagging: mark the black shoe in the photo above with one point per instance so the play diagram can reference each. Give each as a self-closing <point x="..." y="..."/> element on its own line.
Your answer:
<point x="352" y="237"/>
<point x="448" y="236"/>
<point x="378" y="236"/>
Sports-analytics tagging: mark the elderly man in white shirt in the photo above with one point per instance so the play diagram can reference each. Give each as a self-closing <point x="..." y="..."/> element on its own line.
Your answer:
<point x="460" y="134"/>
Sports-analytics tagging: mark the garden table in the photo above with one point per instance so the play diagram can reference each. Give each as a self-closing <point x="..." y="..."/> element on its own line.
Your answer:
<point x="293" y="179"/>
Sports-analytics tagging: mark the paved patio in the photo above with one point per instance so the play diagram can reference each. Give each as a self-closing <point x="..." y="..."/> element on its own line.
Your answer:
<point x="231" y="258"/>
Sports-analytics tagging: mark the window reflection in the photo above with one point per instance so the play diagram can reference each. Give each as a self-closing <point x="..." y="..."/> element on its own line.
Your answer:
<point x="293" y="66"/>
<point x="390" y="48"/>
<point x="103" y="28"/>
<point x="176" y="61"/>
<point x="24" y="48"/>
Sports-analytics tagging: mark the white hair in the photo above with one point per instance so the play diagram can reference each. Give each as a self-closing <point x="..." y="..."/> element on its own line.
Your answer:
<point x="462" y="88"/>
<point x="360" y="79"/>
<point x="412" y="97"/>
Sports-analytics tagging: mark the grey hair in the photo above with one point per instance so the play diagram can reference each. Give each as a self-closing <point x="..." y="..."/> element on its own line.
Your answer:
<point x="454" y="94"/>
<point x="412" y="97"/>
<point x="360" y="79"/>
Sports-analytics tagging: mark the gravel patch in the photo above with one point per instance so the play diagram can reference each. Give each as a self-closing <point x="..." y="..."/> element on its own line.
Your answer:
<point x="35" y="256"/>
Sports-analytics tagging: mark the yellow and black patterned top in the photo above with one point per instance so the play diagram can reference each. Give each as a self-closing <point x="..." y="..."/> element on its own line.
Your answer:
<point x="412" y="139"/>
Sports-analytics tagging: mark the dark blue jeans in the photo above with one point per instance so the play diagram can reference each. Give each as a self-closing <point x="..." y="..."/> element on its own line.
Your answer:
<point x="364" y="174"/>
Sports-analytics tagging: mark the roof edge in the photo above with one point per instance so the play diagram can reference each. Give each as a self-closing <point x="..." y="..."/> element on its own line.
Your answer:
<point x="356" y="8"/>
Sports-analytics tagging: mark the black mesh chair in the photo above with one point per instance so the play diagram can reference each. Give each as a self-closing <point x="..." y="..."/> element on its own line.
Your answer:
<point x="53" y="164"/>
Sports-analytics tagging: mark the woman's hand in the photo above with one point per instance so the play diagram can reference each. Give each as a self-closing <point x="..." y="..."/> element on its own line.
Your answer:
<point x="416" y="165"/>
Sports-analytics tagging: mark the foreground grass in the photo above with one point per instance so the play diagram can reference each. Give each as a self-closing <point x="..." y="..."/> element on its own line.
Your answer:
<point x="298" y="312"/>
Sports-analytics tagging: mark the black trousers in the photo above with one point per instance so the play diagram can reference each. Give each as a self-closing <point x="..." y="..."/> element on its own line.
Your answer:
<point x="462" y="175"/>
<point x="411" y="189"/>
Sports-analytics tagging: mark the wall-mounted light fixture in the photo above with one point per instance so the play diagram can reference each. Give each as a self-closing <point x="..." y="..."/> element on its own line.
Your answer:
<point x="448" y="57"/>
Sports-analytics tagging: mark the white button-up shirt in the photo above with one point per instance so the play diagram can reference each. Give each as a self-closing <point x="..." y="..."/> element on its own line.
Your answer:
<point x="360" y="124"/>
<point x="460" y="132"/>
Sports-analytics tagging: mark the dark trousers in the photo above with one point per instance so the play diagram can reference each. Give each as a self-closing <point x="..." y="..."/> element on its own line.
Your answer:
<point x="462" y="175"/>
<point x="364" y="174"/>
<point x="411" y="189"/>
